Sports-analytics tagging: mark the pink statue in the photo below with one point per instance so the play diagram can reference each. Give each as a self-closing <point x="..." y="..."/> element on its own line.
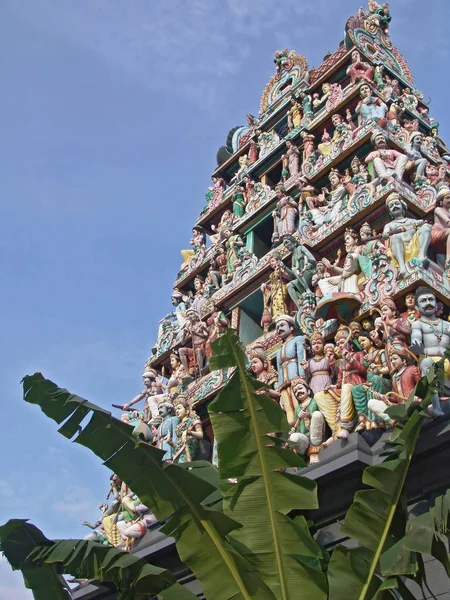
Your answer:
<point x="359" y="70"/>
<point x="286" y="212"/>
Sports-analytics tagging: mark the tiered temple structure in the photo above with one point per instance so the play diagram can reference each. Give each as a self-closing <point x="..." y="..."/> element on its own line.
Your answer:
<point x="324" y="242"/>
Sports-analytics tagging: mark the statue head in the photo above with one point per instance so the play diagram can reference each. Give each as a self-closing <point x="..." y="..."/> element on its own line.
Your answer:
<point x="388" y="309"/>
<point x="165" y="409"/>
<point x="410" y="300"/>
<point x="443" y="197"/>
<point x="301" y="389"/>
<point x="355" y="329"/>
<point x="350" y="238"/>
<point x="148" y="377"/>
<point x="398" y="357"/>
<point x="355" y="165"/>
<point x="426" y="302"/>
<point x="175" y="360"/>
<point x="284" y="326"/>
<point x="198" y="282"/>
<point x="396" y="206"/>
<point x="379" y="140"/>
<point x="364" y="340"/>
<point x="365" y="91"/>
<point x="317" y="345"/>
<point x="192" y="315"/>
<point x="336" y="119"/>
<point x="258" y="359"/>
<point x="289" y="242"/>
<point x="176" y="297"/>
<point x="342" y="336"/>
<point x="416" y="139"/>
<point x="334" y="178"/>
<point x="181" y="407"/>
<point x="365" y="232"/>
<point x="355" y="56"/>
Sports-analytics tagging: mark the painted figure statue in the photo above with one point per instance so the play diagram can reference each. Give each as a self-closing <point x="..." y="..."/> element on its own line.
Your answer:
<point x="265" y="373"/>
<point x="307" y="433"/>
<point x="166" y="435"/>
<point x="360" y="70"/>
<point x="289" y="363"/>
<point x="387" y="163"/>
<point x="370" y="107"/>
<point x="303" y="267"/>
<point x="196" y="331"/>
<point x="284" y="215"/>
<point x="440" y="231"/>
<point x="188" y="432"/>
<point x="408" y="238"/>
<point x="275" y="293"/>
<point x="416" y="160"/>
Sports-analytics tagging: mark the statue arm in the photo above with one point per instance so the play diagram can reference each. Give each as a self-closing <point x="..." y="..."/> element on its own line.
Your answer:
<point x="280" y="370"/>
<point x="300" y="349"/>
<point x="417" y="338"/>
<point x="309" y="255"/>
<point x="371" y="156"/>
<point x="136" y="399"/>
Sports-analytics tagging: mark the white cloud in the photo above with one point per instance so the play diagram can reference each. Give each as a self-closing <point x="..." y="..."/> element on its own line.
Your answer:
<point x="12" y="586"/>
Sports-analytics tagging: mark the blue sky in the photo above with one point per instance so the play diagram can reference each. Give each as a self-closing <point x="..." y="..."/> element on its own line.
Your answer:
<point x="112" y="113"/>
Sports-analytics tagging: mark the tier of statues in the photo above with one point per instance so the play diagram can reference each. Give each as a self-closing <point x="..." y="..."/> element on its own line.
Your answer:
<point x="340" y="326"/>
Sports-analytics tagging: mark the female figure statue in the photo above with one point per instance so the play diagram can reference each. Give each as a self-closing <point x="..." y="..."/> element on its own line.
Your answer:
<point x="292" y="157"/>
<point x="238" y="201"/>
<point x="359" y="70"/>
<point x="188" y="431"/>
<point x="286" y="212"/>
<point x="265" y="373"/>
<point x="166" y="434"/>
<point x="275" y="293"/>
<point x="217" y="323"/>
<point x="294" y="115"/>
<point x="320" y="369"/>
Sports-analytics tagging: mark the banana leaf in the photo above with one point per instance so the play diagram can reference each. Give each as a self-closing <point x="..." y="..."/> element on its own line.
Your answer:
<point x="42" y="561"/>
<point x="373" y="518"/>
<point x="174" y="494"/>
<point x="258" y="490"/>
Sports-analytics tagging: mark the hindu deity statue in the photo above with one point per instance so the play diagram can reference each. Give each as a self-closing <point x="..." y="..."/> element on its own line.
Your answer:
<point x="306" y="101"/>
<point x="410" y="100"/>
<point x="214" y="195"/>
<point x="153" y="393"/>
<point x="329" y="212"/>
<point x="411" y="313"/>
<point x="371" y="246"/>
<point x="178" y="374"/>
<point x="291" y="160"/>
<point x="196" y="331"/>
<point x="198" y="298"/>
<point x="284" y="215"/>
<point x="303" y="268"/>
<point x="234" y="246"/>
<point x="308" y="146"/>
<point x="435" y="175"/>
<point x="341" y="130"/>
<point x="415" y="159"/>
<point x="359" y="175"/>
<point x="360" y="70"/>
<point x="321" y="273"/>
<point x="188" y="432"/>
<point x="336" y="401"/>
<point x="253" y="152"/>
<point x="346" y="278"/>
<point x="166" y="435"/>
<point x="387" y="163"/>
<point x="370" y="107"/>
<point x="408" y="238"/>
<point x="289" y="363"/>
<point x="275" y="294"/>
<point x="294" y="114"/>
<point x="239" y="201"/>
<point x="393" y="326"/>
<point x="307" y="433"/>
<point x="222" y="228"/>
<point x="440" y="231"/>
<point x="267" y="141"/>
<point x="378" y="380"/>
<point x="319" y="369"/>
<point x="217" y="322"/>
<point x="265" y="373"/>
<point x="198" y="240"/>
<point x="430" y="337"/>
<point x="405" y="377"/>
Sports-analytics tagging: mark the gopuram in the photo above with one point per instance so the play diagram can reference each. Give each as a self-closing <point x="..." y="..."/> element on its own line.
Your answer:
<point x="324" y="241"/>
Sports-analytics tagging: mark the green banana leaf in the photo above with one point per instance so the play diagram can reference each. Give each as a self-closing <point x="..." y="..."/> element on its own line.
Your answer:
<point x="258" y="492"/>
<point x="174" y="494"/>
<point x="376" y="519"/>
<point x="42" y="561"/>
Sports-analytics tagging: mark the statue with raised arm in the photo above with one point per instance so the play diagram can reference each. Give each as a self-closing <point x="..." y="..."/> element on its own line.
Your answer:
<point x="430" y="337"/>
<point x="360" y="70"/>
<point x="302" y="270"/>
<point x="408" y="238"/>
<point x="196" y="331"/>
<point x="370" y="107"/>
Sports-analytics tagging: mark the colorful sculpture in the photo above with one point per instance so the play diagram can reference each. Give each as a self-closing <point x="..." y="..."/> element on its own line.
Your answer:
<point x="307" y="433"/>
